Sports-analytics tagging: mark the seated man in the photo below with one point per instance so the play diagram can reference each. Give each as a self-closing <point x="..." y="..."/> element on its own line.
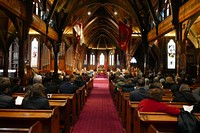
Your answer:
<point x="79" y="80"/>
<point x="140" y="92"/>
<point x="68" y="86"/>
<point x="184" y="95"/>
<point x="6" y="101"/>
<point x="50" y="85"/>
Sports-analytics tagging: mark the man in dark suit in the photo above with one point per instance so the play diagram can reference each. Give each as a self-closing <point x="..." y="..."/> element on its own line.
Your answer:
<point x="140" y="92"/>
<point x="68" y="86"/>
<point x="6" y="101"/>
<point x="50" y="85"/>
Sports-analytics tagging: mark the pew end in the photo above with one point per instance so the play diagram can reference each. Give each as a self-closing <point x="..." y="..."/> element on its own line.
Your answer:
<point x="50" y="119"/>
<point x="35" y="128"/>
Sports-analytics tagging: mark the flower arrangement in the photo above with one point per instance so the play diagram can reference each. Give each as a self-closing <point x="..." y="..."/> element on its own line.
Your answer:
<point x="101" y="69"/>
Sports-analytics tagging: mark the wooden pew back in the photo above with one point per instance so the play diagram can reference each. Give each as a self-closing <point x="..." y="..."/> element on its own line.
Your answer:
<point x="35" y="128"/>
<point x="156" y="129"/>
<point x="49" y="118"/>
<point x="142" y="120"/>
<point x="71" y="100"/>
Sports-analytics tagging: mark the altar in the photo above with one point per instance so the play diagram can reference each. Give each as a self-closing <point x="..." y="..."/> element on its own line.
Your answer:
<point x="101" y="72"/>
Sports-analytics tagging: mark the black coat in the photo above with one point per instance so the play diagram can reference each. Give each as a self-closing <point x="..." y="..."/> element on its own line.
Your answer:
<point x="50" y="88"/>
<point x="184" y="96"/>
<point x="138" y="94"/>
<point x="36" y="103"/>
<point x="6" y="101"/>
<point x="196" y="108"/>
<point x="68" y="88"/>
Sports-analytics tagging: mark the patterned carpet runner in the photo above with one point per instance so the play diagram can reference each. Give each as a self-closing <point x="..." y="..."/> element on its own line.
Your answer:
<point x="99" y="114"/>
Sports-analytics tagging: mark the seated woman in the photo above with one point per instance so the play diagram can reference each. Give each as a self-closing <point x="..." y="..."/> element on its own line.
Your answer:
<point x="35" y="98"/>
<point x="153" y="104"/>
<point x="6" y="101"/>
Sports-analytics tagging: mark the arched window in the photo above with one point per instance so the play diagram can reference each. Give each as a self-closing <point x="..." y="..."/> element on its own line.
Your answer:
<point x="92" y="59"/>
<point x="85" y="61"/>
<point x="45" y="56"/>
<point x="102" y="59"/>
<point x="14" y="54"/>
<point x="34" y="53"/>
<point x="167" y="8"/>
<point x="111" y="59"/>
<point x="68" y="56"/>
<point x="171" y="54"/>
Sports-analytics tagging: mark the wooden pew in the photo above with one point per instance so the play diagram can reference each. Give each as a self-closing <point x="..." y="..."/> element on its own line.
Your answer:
<point x="124" y="109"/>
<point x="131" y="105"/>
<point x="111" y="88"/>
<point x="71" y="101"/>
<point x="35" y="128"/>
<point x="125" y="99"/>
<point x="80" y="99"/>
<point x="142" y="120"/>
<point x="167" y="92"/>
<point x="89" y="87"/>
<point x="154" y="129"/>
<point x="83" y="88"/>
<point x="50" y="119"/>
<point x="167" y="98"/>
<point x="64" y="109"/>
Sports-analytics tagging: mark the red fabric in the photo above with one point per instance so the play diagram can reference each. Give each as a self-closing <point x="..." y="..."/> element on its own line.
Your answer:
<point x="124" y="35"/>
<point x="149" y="105"/>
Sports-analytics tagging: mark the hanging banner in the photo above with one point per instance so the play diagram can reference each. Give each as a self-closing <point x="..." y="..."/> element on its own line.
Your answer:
<point x="124" y="35"/>
<point x="79" y="31"/>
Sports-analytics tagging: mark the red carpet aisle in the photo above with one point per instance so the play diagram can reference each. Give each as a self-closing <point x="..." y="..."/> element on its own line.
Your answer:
<point x="99" y="114"/>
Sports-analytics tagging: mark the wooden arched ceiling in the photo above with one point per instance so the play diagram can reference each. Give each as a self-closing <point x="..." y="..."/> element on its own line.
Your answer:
<point x="100" y="29"/>
<point x="7" y="30"/>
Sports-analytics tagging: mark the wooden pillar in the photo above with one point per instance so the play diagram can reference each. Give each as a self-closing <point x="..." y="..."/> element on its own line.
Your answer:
<point x="5" y="49"/>
<point x="55" y="50"/>
<point x="23" y="28"/>
<point x="198" y="61"/>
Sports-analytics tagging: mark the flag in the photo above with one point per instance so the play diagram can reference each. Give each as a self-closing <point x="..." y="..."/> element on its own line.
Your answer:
<point x="78" y="28"/>
<point x="124" y="35"/>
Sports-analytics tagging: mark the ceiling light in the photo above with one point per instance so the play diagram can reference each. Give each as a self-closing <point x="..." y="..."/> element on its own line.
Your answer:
<point x="89" y="13"/>
<point x="115" y="13"/>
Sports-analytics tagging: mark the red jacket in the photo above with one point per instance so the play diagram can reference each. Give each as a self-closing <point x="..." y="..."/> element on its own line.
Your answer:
<point x="150" y="105"/>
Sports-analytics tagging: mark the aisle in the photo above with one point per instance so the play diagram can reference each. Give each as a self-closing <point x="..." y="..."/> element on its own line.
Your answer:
<point x="99" y="114"/>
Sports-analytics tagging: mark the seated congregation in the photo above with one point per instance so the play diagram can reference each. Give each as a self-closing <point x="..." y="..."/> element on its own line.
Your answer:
<point x="166" y="94"/>
<point x="43" y="99"/>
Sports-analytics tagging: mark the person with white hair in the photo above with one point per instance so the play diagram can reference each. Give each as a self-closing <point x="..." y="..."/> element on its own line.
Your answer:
<point x="37" y="79"/>
<point x="184" y="95"/>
